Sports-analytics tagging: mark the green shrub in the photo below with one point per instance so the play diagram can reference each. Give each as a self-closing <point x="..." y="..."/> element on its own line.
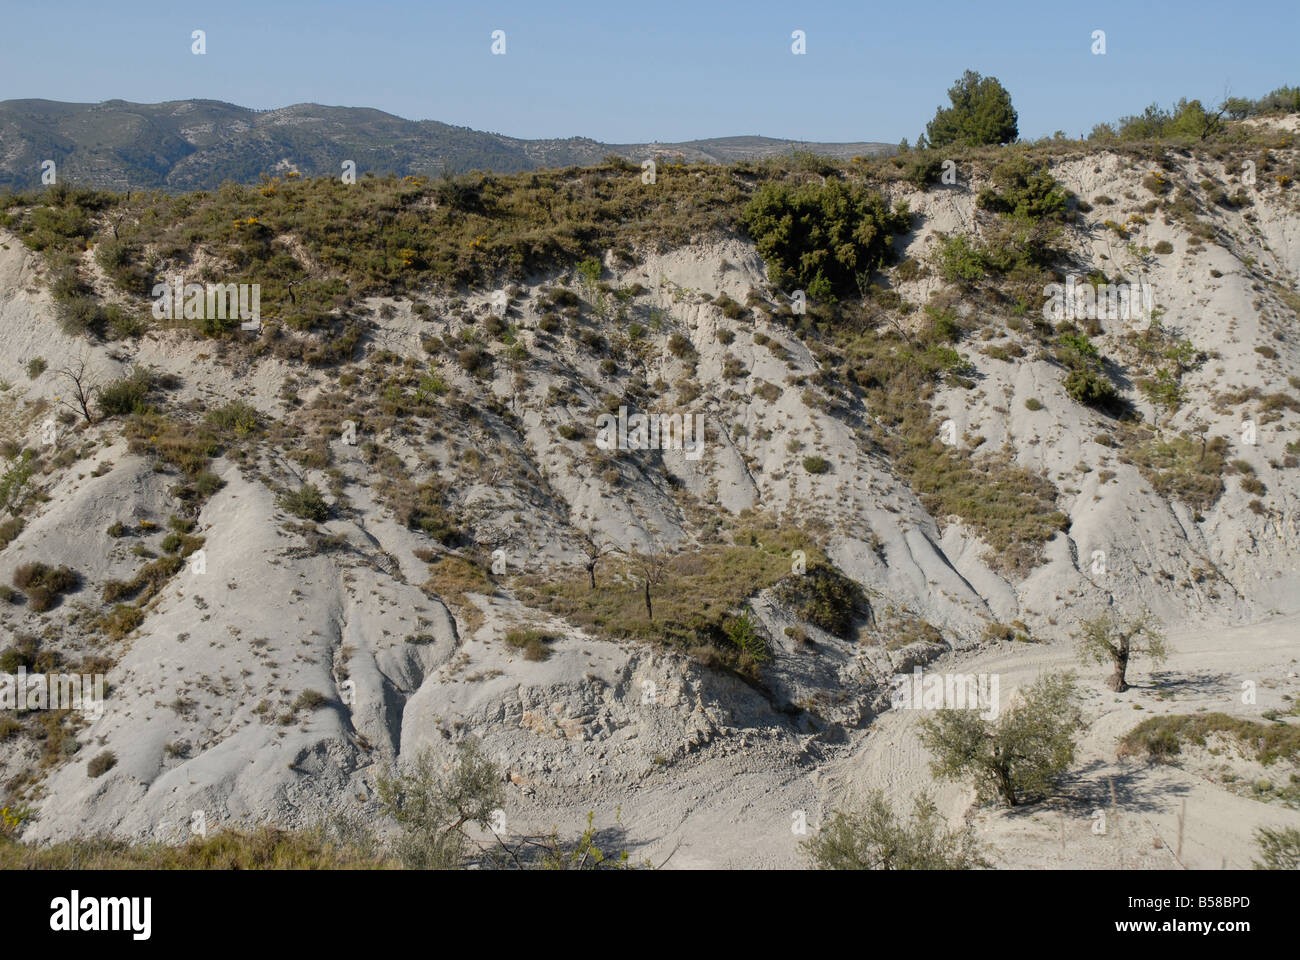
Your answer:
<point x="1160" y="738"/>
<point x="121" y="620"/>
<point x="590" y="270"/>
<point x="13" y="482"/>
<point x="961" y="259"/>
<point x="740" y="630"/>
<point x="730" y="308"/>
<point x="1025" y="190"/>
<point x="1279" y="849"/>
<point x="679" y="346"/>
<point x="1086" y="382"/>
<point x="533" y="643"/>
<point x="822" y="238"/>
<point x="816" y="464"/>
<point x="126" y="395"/>
<point x="35" y="367"/>
<point x="235" y="417"/>
<point x="923" y="169"/>
<point x="1091" y="389"/>
<point x="1180" y="467"/>
<point x="474" y="360"/>
<point x="825" y="598"/>
<point x="148" y="578"/>
<point x="306" y="503"/>
<point x="873" y="837"/>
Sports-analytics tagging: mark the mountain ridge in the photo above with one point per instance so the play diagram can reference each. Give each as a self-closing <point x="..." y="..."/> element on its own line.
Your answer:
<point x="198" y="144"/>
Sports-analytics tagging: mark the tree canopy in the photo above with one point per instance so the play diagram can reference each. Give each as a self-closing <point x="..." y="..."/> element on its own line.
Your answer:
<point x="981" y="113"/>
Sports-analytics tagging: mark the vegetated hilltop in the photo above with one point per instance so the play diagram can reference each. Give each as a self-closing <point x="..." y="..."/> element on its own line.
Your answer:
<point x="200" y="144"/>
<point x="921" y="460"/>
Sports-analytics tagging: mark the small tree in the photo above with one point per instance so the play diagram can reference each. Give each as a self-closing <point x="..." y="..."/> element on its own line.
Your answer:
<point x="83" y="390"/>
<point x="593" y="552"/>
<point x="1017" y="757"/>
<point x="872" y="837"/>
<point x="1105" y="639"/>
<point x="981" y="113"/>
<point x="433" y="806"/>
<point x="653" y="568"/>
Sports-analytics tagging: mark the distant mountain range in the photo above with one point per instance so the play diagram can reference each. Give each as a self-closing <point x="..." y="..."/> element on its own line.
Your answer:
<point x="199" y="144"/>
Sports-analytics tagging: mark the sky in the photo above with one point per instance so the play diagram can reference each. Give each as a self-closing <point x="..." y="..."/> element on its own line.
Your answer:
<point x="627" y="71"/>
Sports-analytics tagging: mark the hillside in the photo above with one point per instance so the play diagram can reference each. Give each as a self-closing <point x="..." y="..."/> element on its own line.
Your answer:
<point x="201" y="144"/>
<point x="398" y="483"/>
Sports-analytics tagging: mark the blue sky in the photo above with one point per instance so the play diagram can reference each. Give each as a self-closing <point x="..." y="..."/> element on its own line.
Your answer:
<point x="623" y="71"/>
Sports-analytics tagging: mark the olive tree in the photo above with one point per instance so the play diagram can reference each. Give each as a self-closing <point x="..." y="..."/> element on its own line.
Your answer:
<point x="1017" y="756"/>
<point x="433" y="806"/>
<point x="1105" y="639"/>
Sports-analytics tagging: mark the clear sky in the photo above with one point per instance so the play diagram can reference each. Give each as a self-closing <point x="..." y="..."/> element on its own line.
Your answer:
<point x="628" y="71"/>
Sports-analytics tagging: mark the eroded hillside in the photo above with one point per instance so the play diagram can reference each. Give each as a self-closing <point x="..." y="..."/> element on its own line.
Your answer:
<point x="409" y="531"/>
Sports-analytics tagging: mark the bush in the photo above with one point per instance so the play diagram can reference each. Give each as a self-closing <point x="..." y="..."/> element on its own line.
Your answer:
<point x="13" y="482"/>
<point x="741" y="632"/>
<point x="44" y="584"/>
<point x="824" y="597"/>
<point x="127" y="395"/>
<point x="679" y="346"/>
<point x="1087" y="382"/>
<point x="310" y="700"/>
<point x="1025" y="191"/>
<point x="1017" y="757"/>
<point x="730" y="308"/>
<point x="1091" y="389"/>
<point x="9" y="530"/>
<point x="533" y="643"/>
<point x="149" y="578"/>
<point x="474" y="360"/>
<point x="35" y="367"/>
<point x="121" y="620"/>
<point x="816" y="464"/>
<point x="923" y="170"/>
<point x="119" y="262"/>
<point x="1279" y="849"/>
<point x="961" y="259"/>
<point x="1160" y="738"/>
<point x="235" y="417"/>
<point x="101" y="764"/>
<point x="306" y="503"/>
<point x="872" y="837"/>
<point x="822" y="237"/>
